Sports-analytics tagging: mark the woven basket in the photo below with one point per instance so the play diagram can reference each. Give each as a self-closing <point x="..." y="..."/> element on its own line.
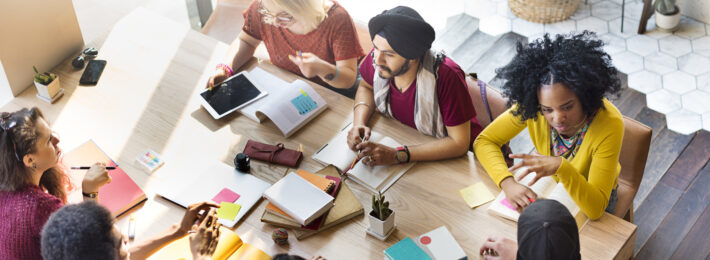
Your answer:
<point x="543" y="11"/>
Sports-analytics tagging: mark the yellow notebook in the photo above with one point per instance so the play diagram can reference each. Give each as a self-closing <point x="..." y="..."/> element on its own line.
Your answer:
<point x="230" y="247"/>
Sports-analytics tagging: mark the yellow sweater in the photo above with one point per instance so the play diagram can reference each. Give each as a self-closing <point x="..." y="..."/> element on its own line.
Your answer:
<point x="589" y="177"/>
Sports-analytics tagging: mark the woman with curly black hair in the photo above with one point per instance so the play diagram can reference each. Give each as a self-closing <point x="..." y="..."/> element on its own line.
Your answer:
<point x="557" y="88"/>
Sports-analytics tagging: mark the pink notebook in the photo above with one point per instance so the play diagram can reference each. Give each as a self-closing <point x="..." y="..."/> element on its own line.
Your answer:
<point x="119" y="196"/>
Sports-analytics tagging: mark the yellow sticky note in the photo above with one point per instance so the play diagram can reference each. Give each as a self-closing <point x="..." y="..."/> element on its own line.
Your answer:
<point x="476" y="195"/>
<point x="228" y="210"/>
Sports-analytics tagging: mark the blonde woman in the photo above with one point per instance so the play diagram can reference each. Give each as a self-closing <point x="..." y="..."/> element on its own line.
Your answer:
<point x="315" y="39"/>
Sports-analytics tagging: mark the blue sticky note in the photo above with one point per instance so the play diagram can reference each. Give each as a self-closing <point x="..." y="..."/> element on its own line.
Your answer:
<point x="304" y="104"/>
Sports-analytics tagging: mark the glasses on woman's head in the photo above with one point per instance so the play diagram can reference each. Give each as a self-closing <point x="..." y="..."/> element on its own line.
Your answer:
<point x="6" y="123"/>
<point x="269" y="17"/>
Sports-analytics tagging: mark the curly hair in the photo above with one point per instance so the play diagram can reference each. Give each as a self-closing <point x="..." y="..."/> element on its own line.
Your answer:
<point x="79" y="231"/>
<point x="575" y="60"/>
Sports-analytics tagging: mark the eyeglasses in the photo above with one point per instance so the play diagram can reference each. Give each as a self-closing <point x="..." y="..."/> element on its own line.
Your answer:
<point x="270" y="17"/>
<point x="7" y="124"/>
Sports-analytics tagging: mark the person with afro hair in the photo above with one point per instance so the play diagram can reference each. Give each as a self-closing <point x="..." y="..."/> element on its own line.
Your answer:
<point x="87" y="231"/>
<point x="556" y="88"/>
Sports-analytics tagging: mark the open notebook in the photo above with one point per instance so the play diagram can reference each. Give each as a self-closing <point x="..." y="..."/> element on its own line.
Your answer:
<point x="375" y="178"/>
<point x="230" y="246"/>
<point x="289" y="105"/>
<point x="545" y="187"/>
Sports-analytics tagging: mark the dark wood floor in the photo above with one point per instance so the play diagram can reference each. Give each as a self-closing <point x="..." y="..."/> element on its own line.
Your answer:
<point x="671" y="207"/>
<point x="672" y="210"/>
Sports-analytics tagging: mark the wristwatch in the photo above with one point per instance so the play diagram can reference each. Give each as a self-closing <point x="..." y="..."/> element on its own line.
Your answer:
<point x="91" y="195"/>
<point x="402" y="155"/>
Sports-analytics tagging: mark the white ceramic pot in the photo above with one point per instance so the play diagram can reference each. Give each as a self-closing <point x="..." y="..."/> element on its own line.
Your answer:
<point x="48" y="91"/>
<point x="668" y="22"/>
<point x="380" y="227"/>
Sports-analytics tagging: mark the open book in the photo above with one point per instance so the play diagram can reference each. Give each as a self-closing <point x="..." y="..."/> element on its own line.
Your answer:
<point x="289" y="105"/>
<point x="375" y="178"/>
<point x="545" y="187"/>
<point x="230" y="246"/>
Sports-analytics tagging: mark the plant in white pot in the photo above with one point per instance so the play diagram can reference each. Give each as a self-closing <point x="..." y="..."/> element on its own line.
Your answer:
<point x="667" y="15"/>
<point x="47" y="84"/>
<point x="381" y="218"/>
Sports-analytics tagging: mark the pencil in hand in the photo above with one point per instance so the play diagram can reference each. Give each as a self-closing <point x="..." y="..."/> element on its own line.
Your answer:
<point x="89" y="167"/>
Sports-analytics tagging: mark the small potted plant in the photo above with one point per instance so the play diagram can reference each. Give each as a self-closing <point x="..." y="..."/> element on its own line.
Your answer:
<point x="47" y="84"/>
<point x="381" y="218"/>
<point x="667" y="15"/>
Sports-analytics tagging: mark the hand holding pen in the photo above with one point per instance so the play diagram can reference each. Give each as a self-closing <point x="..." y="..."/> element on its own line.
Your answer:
<point x="95" y="177"/>
<point x="357" y="135"/>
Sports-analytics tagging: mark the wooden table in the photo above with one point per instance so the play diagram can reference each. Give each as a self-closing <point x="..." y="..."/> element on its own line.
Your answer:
<point x="146" y="98"/>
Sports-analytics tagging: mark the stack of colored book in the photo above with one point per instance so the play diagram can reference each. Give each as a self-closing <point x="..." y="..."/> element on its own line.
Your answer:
<point x="345" y="205"/>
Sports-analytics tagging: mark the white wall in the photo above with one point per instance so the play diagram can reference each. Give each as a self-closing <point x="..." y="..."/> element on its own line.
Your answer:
<point x="5" y="92"/>
<point x="697" y="9"/>
<point x="35" y="32"/>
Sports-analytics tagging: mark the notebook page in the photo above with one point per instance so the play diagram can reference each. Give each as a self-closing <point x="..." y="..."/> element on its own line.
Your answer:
<point x="560" y="194"/>
<point x="294" y="104"/>
<point x="377" y="176"/>
<point x="543" y="186"/>
<point x="337" y="152"/>
<point x="269" y="84"/>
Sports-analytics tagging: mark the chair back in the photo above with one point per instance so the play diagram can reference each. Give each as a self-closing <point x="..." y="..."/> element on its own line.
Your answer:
<point x="634" y="152"/>
<point x="496" y="102"/>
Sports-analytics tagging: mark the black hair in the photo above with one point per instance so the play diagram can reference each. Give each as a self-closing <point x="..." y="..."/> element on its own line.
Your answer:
<point x="287" y="257"/>
<point x="575" y="60"/>
<point x="79" y="231"/>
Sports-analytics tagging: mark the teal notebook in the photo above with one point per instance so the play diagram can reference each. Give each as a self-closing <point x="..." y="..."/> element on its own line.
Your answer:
<point x="406" y="249"/>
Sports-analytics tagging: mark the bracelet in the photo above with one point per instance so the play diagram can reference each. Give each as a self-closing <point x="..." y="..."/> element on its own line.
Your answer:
<point x="360" y="103"/>
<point x="91" y="195"/>
<point x="226" y="68"/>
<point x="337" y="73"/>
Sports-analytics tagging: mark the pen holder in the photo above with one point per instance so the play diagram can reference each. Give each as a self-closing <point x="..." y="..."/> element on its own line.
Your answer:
<point x="241" y="162"/>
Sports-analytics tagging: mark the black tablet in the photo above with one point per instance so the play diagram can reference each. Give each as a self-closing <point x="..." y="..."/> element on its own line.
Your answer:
<point x="232" y="94"/>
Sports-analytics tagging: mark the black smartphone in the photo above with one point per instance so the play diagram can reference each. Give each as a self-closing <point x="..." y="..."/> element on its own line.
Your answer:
<point x="92" y="72"/>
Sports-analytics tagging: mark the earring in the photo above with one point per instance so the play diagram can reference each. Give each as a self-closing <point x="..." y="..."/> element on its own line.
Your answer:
<point x="34" y="165"/>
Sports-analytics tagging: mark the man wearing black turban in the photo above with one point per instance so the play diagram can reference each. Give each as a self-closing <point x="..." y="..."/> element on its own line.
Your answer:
<point x="406" y="80"/>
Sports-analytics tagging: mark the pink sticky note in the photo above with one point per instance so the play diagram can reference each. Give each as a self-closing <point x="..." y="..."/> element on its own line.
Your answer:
<point x="226" y="195"/>
<point x="507" y="204"/>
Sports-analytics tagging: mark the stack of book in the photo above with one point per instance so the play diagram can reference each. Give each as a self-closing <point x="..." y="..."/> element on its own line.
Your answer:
<point x="300" y="208"/>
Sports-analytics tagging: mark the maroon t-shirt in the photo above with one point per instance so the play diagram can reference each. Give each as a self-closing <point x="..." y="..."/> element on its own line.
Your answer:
<point x="454" y="100"/>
